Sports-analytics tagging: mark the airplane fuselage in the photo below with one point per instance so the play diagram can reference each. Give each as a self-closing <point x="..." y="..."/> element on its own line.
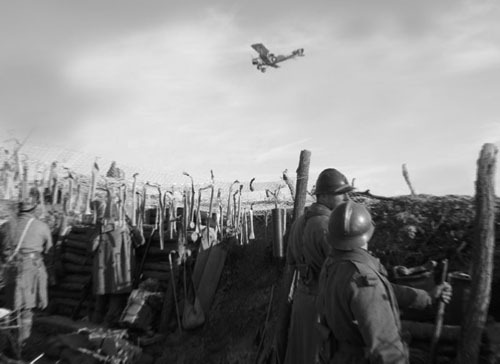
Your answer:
<point x="268" y="59"/>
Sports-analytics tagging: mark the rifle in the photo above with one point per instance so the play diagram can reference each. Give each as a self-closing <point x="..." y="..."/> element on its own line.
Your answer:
<point x="439" y="316"/>
<point x="280" y="340"/>
<point x="138" y="275"/>
<point x="263" y="334"/>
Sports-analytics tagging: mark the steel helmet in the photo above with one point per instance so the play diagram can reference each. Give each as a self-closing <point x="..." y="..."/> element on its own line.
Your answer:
<point x="29" y="203"/>
<point x="331" y="181"/>
<point x="350" y="226"/>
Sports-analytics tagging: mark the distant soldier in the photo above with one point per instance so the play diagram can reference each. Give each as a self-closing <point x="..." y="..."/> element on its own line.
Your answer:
<point x="115" y="172"/>
<point x="358" y="305"/>
<point x="308" y="247"/>
<point x="113" y="264"/>
<point x="25" y="241"/>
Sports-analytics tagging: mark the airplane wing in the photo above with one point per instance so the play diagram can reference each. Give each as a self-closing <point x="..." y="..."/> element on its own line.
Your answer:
<point x="261" y="49"/>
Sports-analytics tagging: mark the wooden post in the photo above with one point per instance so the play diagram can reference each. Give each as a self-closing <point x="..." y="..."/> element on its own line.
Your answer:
<point x="289" y="183"/>
<point x="406" y="176"/>
<point x="284" y="306"/>
<point x="302" y="179"/>
<point x="482" y="263"/>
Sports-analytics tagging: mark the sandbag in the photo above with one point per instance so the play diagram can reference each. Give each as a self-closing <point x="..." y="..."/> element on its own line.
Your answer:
<point x="161" y="276"/>
<point x="163" y="267"/>
<point x="425" y="331"/>
<point x="76" y="259"/>
<point x="76" y="268"/>
<point x="80" y="245"/>
<point x="141" y="309"/>
<point x="76" y="278"/>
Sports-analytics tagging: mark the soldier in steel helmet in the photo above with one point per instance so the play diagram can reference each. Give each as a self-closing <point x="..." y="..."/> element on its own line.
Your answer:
<point x="25" y="241"/>
<point x="358" y="304"/>
<point x="307" y="249"/>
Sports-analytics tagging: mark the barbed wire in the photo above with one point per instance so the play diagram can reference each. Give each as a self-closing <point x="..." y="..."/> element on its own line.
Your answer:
<point x="39" y="160"/>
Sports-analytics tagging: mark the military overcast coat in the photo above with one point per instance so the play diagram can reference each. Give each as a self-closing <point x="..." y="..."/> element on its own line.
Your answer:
<point x="361" y="308"/>
<point x="307" y="249"/>
<point x="26" y="276"/>
<point x="114" y="258"/>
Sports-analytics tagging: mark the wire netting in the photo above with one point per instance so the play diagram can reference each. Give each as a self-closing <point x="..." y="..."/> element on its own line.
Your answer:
<point x="38" y="160"/>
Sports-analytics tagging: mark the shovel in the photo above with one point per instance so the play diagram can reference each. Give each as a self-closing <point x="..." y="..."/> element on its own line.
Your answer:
<point x="193" y="315"/>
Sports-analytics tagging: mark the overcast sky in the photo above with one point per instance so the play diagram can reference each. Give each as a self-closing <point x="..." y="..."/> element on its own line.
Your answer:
<point x="170" y="86"/>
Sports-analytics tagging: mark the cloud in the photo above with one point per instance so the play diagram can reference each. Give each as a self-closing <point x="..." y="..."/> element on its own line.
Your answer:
<point x="383" y="83"/>
<point x="277" y="152"/>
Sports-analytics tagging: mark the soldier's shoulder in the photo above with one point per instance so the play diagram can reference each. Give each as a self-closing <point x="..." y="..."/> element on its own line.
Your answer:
<point x="364" y="275"/>
<point x="40" y="224"/>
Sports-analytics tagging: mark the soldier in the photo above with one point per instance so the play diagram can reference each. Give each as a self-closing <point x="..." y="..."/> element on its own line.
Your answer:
<point x="25" y="242"/>
<point x="113" y="263"/>
<point x="307" y="249"/>
<point x="111" y="270"/>
<point x="357" y="303"/>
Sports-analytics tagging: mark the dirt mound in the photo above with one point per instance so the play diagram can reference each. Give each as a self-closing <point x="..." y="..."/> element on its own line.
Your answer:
<point x="409" y="231"/>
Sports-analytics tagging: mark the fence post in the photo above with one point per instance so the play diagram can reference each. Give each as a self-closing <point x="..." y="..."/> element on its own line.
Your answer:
<point x="482" y="261"/>
<point x="302" y="179"/>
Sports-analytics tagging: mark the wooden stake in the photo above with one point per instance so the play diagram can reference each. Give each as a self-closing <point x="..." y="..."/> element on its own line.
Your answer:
<point x="289" y="184"/>
<point x="407" y="179"/>
<point x="302" y="179"/>
<point x="476" y="312"/>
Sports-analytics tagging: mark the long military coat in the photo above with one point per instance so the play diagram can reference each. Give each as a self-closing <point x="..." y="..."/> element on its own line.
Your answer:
<point x="361" y="308"/>
<point x="26" y="276"/>
<point x="113" y="261"/>
<point x="306" y="252"/>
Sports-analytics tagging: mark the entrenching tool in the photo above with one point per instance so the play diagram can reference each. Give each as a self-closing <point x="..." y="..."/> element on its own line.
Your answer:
<point x="138" y="275"/>
<point x="229" y="214"/>
<point x="142" y="208"/>
<point x="284" y="221"/>
<point x="48" y="181"/>
<point x="218" y="215"/>
<point x="134" y="200"/>
<point x="77" y="207"/>
<point x="209" y="217"/>
<point x="53" y="182"/>
<point x="171" y="213"/>
<point x="207" y="224"/>
<point x="266" y="323"/>
<point x="24" y="183"/>
<point x="266" y="215"/>
<point x="208" y="266"/>
<point x="238" y="216"/>
<point x="68" y="204"/>
<point x="191" y="207"/>
<point x="439" y="315"/>
<point x="172" y="278"/>
<point x="159" y="224"/>
<point x="39" y="187"/>
<point x="198" y="214"/>
<point x="245" y="225"/>
<point x="250" y="215"/>
<point x="123" y="201"/>
<point x="93" y="186"/>
<point x="234" y="221"/>
<point x="193" y="315"/>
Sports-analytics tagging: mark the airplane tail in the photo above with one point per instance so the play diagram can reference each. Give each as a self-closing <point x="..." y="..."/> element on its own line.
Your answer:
<point x="299" y="52"/>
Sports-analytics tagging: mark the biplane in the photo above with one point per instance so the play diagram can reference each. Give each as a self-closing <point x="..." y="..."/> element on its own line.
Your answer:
<point x="268" y="59"/>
